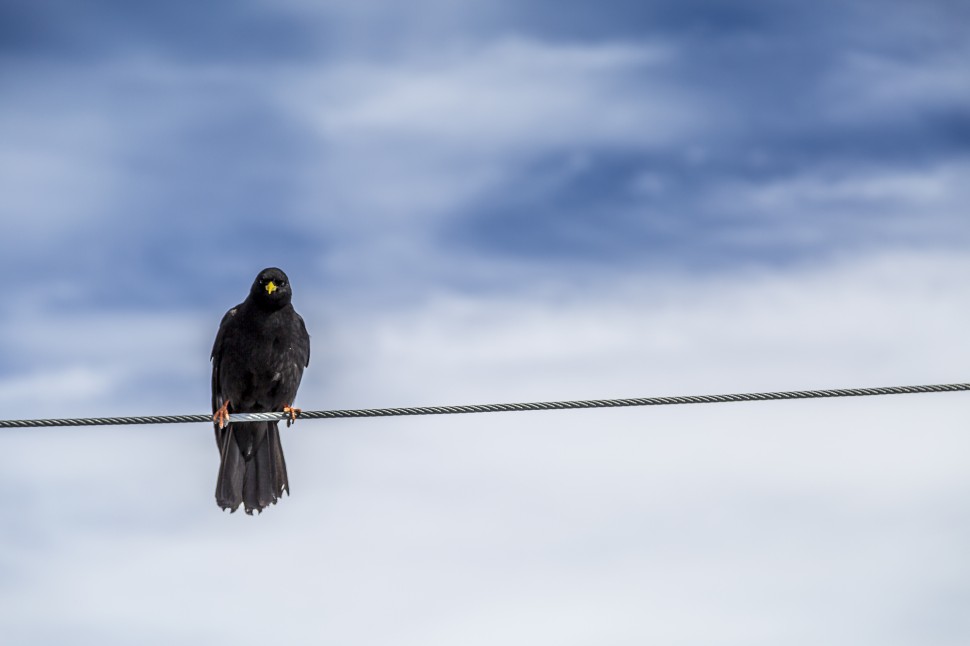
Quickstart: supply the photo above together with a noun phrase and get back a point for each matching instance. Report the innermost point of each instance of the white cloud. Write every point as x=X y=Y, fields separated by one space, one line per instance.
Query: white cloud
x=70 y=385
x=839 y=206
x=506 y=95
x=921 y=187
x=105 y=363
x=871 y=87
x=633 y=523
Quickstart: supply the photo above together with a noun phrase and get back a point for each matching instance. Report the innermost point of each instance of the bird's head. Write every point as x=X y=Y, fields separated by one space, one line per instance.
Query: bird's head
x=271 y=288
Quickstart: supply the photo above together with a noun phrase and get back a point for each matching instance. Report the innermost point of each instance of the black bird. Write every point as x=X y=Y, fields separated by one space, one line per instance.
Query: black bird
x=258 y=359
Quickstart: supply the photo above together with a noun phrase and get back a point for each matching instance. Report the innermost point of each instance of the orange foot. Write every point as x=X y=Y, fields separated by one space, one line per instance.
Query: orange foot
x=221 y=416
x=293 y=413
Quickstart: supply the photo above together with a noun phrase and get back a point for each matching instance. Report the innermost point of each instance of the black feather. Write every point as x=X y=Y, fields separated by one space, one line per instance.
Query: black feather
x=258 y=358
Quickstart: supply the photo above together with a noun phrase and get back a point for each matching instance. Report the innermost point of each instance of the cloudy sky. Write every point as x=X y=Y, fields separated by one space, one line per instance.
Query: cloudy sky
x=483 y=202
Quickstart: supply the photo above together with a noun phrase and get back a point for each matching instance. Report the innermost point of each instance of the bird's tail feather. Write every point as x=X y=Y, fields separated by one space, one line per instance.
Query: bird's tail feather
x=231 y=470
x=253 y=470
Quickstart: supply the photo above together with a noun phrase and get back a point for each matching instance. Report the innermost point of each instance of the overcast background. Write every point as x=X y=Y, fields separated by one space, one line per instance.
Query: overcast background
x=505 y=200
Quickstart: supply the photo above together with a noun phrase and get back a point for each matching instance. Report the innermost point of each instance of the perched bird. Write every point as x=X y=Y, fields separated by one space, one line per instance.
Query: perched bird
x=258 y=359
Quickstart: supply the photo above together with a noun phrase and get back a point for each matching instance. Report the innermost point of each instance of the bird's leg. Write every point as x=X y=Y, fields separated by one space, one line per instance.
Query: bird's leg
x=221 y=416
x=293 y=413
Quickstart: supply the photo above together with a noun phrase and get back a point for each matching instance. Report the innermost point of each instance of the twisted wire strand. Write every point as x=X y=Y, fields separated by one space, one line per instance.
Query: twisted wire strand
x=492 y=408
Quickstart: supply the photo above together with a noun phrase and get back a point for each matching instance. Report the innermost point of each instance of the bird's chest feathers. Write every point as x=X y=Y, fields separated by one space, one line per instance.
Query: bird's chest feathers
x=261 y=348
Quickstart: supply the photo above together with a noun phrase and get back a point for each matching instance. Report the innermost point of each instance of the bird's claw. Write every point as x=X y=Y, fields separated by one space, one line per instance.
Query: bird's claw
x=293 y=413
x=221 y=416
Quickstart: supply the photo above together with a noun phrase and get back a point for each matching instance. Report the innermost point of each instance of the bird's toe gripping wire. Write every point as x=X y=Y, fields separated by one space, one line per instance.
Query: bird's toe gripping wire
x=221 y=416
x=293 y=413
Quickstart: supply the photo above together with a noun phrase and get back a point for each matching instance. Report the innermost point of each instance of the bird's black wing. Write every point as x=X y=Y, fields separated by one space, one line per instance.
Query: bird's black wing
x=303 y=342
x=216 y=358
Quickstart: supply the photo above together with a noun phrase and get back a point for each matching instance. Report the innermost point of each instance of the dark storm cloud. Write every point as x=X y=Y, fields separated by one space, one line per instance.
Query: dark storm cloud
x=610 y=132
x=90 y=31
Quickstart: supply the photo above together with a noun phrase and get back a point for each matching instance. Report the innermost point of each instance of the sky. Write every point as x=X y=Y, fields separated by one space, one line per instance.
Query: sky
x=489 y=202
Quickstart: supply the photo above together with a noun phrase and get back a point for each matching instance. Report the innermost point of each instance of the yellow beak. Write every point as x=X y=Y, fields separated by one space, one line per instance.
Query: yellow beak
x=270 y=287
